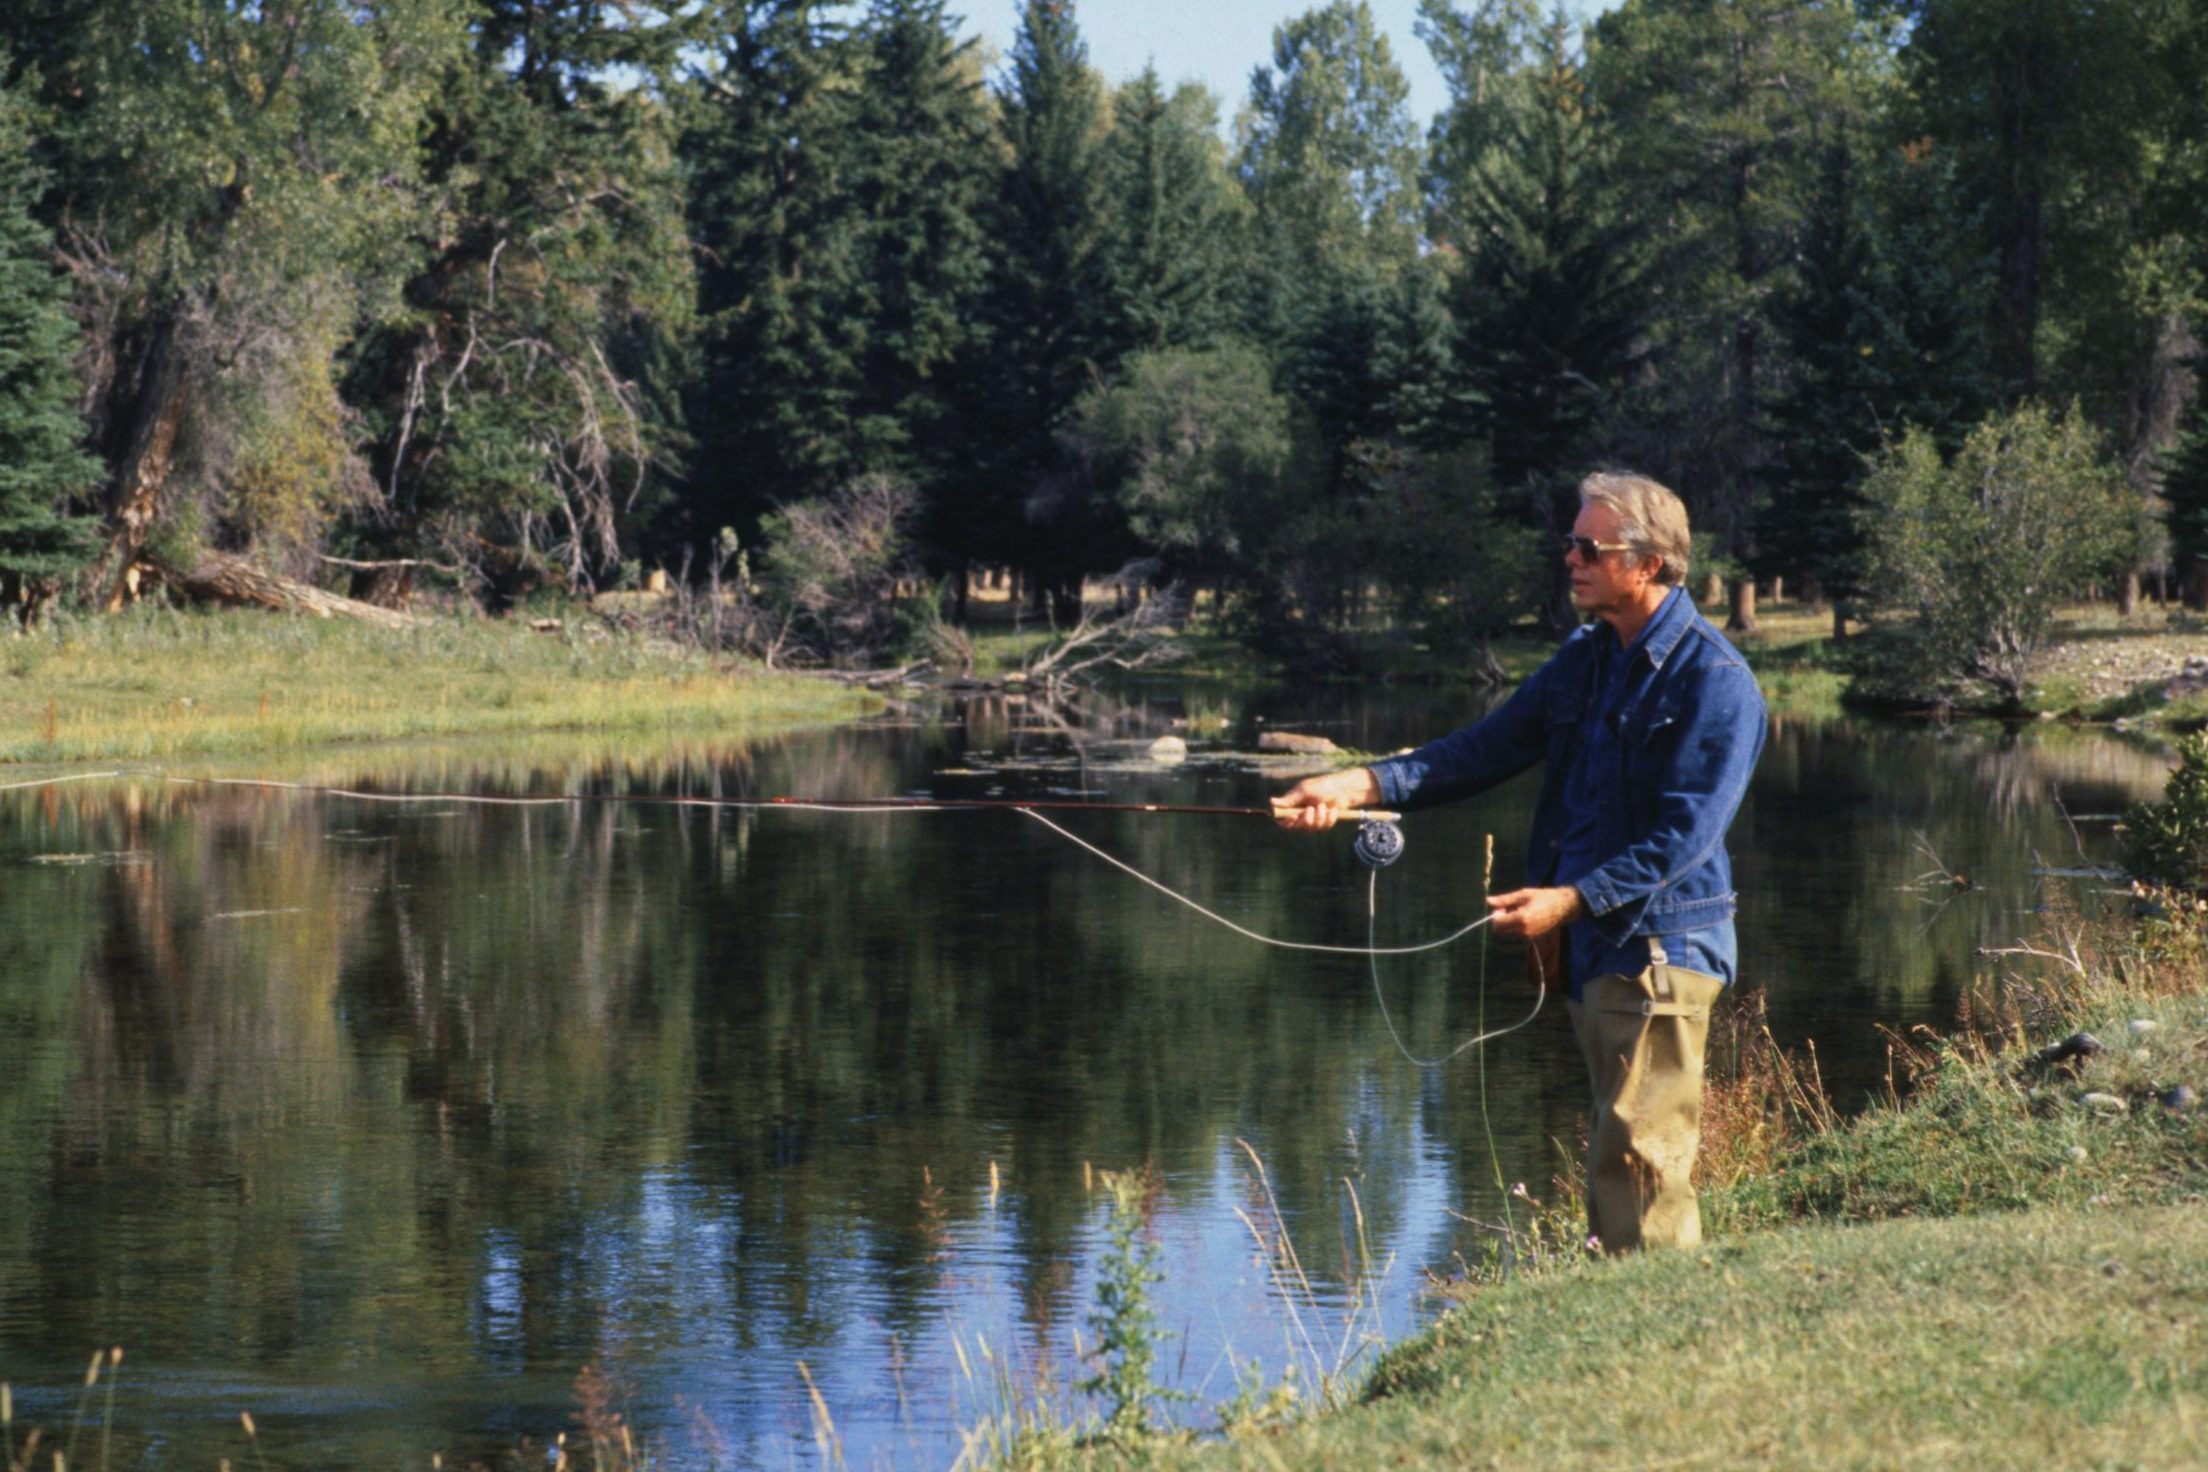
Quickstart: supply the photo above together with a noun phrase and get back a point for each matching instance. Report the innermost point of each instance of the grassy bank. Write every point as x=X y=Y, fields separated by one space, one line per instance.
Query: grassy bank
x=2004 y=1265
x=157 y=684
x=2098 y=667
x=2057 y=1338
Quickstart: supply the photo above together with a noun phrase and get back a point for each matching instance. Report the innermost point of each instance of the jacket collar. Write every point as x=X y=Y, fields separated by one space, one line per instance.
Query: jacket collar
x=1671 y=623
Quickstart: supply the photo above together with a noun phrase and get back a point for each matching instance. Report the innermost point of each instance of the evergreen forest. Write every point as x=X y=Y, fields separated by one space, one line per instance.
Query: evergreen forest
x=825 y=303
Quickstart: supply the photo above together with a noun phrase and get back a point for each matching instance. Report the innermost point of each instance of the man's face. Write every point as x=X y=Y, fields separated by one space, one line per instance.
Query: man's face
x=1615 y=581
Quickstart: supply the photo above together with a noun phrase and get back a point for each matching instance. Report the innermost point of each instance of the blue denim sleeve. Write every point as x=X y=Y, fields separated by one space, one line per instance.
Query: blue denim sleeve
x=1706 y=776
x=1472 y=759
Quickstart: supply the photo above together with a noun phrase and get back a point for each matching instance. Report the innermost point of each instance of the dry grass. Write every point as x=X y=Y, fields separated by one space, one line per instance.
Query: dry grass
x=157 y=684
x=1759 y=1099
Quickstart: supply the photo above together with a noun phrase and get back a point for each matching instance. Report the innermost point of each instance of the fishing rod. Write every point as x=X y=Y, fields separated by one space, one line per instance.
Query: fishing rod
x=1375 y=815
x=1379 y=843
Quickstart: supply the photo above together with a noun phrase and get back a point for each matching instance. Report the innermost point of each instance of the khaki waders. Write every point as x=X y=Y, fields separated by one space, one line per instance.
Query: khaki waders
x=1643 y=1038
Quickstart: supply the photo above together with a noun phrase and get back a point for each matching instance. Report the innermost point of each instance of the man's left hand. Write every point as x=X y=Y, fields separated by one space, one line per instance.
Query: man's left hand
x=1532 y=912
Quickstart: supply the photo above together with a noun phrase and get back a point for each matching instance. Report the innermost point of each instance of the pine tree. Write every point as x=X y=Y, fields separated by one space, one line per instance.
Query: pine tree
x=1830 y=415
x=1722 y=108
x=1048 y=284
x=2041 y=100
x=42 y=462
x=1174 y=221
x=921 y=173
x=1047 y=304
x=2185 y=497
x=770 y=148
x=1881 y=327
x=1552 y=284
x=1930 y=278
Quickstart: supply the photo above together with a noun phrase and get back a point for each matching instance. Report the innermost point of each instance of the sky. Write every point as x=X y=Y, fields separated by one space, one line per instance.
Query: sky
x=1216 y=42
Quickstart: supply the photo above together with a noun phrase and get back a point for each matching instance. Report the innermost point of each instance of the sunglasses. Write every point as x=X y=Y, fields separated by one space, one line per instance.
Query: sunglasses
x=1589 y=549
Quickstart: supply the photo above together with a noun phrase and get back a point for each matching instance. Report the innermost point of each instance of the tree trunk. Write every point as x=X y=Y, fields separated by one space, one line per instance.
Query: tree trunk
x=1839 y=623
x=1743 y=620
x=234 y=582
x=2021 y=228
x=142 y=469
x=2127 y=593
x=1713 y=590
x=386 y=585
x=2196 y=582
x=1487 y=671
x=1778 y=588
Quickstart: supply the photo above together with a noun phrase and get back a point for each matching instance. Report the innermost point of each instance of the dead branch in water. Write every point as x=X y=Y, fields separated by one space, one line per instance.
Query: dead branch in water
x=1140 y=633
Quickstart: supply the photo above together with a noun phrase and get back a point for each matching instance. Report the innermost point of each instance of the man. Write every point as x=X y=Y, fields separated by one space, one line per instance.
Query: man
x=1649 y=725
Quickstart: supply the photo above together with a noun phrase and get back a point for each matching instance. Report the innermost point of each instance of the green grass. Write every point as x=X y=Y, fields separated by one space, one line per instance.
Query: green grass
x=2072 y=1339
x=1987 y=1270
x=2147 y=703
x=157 y=684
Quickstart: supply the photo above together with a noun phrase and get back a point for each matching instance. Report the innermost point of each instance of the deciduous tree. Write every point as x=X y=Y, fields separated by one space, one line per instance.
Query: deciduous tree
x=1981 y=549
x=524 y=397
x=228 y=179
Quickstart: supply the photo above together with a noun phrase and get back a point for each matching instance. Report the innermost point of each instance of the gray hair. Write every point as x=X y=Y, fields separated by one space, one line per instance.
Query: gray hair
x=1649 y=516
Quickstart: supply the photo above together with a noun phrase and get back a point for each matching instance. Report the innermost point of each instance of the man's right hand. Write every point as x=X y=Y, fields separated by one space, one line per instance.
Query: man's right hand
x=1318 y=803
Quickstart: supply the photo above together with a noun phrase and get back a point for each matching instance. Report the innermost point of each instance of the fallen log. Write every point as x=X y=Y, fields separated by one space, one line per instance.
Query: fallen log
x=236 y=583
x=1292 y=741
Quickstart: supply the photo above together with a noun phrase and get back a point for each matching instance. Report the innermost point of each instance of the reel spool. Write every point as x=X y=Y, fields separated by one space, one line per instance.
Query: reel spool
x=1379 y=843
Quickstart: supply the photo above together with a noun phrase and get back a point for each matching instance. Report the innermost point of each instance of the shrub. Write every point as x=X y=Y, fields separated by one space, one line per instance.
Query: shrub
x=2166 y=842
x=832 y=572
x=1981 y=549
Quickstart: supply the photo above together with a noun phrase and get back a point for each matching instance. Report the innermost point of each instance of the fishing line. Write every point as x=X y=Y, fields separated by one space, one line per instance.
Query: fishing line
x=54 y=781
x=1372 y=950
x=1286 y=945
x=1379 y=843
x=1372 y=924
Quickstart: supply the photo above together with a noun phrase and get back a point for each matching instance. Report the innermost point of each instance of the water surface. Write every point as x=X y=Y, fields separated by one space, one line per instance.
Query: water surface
x=381 y=1121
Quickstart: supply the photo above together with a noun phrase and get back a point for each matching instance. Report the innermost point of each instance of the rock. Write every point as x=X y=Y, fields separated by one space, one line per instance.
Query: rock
x=2139 y=1027
x=2076 y=1152
x=2179 y=1097
x=1290 y=741
x=2063 y=1057
x=2101 y=1103
x=1169 y=751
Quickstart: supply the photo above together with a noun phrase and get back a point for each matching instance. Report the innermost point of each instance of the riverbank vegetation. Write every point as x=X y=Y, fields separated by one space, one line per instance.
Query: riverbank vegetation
x=158 y=684
x=161 y=683
x=2004 y=1254
x=818 y=305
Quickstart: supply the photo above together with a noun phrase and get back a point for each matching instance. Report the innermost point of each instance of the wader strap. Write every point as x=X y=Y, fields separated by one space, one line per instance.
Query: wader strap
x=1665 y=1003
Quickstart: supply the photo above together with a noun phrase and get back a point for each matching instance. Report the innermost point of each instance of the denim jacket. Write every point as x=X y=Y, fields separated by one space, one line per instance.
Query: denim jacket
x=1690 y=726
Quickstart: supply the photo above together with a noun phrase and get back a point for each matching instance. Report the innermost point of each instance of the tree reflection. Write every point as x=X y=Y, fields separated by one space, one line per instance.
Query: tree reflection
x=426 y=1094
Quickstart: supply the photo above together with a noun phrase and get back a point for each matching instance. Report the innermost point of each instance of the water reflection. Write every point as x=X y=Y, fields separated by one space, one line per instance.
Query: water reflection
x=381 y=1120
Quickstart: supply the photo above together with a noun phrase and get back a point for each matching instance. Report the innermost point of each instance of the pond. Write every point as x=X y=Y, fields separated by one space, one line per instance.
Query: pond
x=380 y=1121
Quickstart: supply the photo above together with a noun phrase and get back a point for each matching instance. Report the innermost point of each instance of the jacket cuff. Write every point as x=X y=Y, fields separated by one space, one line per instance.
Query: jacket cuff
x=1613 y=915
x=1395 y=786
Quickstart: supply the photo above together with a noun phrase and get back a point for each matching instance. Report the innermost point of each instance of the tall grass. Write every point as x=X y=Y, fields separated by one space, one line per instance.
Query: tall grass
x=157 y=683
